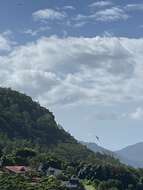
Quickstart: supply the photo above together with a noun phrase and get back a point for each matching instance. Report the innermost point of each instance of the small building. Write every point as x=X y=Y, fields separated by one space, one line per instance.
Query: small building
x=16 y=169
x=42 y=168
x=53 y=171
x=72 y=184
x=47 y=170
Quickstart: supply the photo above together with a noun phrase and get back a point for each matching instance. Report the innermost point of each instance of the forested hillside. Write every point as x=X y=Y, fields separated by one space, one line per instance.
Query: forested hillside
x=23 y=121
x=22 y=118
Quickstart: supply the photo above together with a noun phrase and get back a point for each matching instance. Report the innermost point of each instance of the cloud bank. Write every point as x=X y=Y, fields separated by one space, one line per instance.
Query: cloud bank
x=72 y=71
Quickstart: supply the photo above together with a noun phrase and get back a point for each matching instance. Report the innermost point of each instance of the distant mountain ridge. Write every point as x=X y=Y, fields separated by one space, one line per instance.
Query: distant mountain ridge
x=96 y=148
x=131 y=155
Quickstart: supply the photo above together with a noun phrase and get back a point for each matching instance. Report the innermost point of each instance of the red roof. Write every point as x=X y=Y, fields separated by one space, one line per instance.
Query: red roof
x=17 y=169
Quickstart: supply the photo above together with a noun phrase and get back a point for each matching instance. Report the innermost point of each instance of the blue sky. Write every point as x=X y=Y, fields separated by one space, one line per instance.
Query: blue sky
x=17 y=15
x=80 y=58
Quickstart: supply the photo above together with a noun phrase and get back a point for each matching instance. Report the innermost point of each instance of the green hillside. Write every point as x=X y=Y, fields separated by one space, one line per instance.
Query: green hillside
x=22 y=118
x=24 y=121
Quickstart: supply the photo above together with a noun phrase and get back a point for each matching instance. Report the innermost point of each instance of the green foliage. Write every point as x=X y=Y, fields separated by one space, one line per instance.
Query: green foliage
x=9 y=182
x=25 y=152
x=51 y=183
x=110 y=184
x=24 y=123
x=22 y=118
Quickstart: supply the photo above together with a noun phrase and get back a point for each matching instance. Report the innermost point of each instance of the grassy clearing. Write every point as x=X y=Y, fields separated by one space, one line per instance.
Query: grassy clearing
x=88 y=186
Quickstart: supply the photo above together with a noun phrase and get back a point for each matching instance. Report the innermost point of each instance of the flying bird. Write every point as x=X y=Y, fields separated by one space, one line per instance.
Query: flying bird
x=98 y=139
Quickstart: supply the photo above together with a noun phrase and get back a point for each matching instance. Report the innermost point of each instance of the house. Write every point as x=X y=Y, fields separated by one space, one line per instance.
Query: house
x=17 y=169
x=48 y=170
x=43 y=167
x=53 y=171
x=72 y=184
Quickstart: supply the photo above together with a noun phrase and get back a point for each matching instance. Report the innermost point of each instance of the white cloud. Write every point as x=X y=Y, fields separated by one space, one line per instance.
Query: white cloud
x=33 y=32
x=111 y=14
x=5 y=42
x=107 y=116
x=30 y=32
x=79 y=24
x=100 y=4
x=69 y=7
x=65 y=71
x=134 y=7
x=137 y=115
x=107 y=15
x=48 y=14
x=7 y=33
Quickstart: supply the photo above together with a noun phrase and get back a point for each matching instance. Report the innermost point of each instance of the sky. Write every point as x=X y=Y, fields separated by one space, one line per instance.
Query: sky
x=82 y=59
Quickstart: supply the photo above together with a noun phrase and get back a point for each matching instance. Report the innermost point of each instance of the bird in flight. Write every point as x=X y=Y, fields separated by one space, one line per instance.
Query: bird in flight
x=98 y=139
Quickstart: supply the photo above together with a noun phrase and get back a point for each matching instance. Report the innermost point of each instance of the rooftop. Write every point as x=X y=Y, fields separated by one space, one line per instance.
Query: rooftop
x=17 y=169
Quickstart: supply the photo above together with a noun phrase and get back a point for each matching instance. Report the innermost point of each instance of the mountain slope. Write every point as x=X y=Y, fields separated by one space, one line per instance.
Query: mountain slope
x=23 y=121
x=102 y=152
x=133 y=154
x=20 y=117
x=96 y=148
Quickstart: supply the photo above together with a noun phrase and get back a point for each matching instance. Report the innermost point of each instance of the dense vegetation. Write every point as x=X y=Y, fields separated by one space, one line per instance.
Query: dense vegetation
x=23 y=121
x=21 y=118
x=29 y=135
